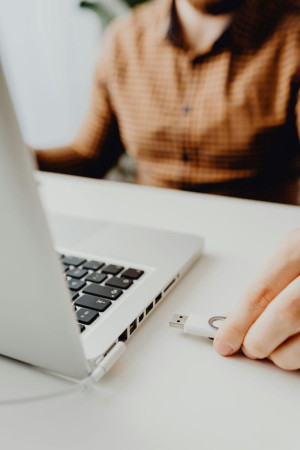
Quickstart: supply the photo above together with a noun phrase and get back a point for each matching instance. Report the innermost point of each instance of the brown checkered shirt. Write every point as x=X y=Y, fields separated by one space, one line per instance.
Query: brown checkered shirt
x=224 y=122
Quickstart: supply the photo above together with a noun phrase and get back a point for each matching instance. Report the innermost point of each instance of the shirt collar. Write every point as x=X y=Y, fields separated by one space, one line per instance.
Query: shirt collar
x=169 y=30
x=251 y=24
x=164 y=23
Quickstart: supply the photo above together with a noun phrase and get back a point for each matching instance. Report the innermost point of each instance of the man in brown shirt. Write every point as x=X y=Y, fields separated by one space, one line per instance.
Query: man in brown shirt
x=203 y=94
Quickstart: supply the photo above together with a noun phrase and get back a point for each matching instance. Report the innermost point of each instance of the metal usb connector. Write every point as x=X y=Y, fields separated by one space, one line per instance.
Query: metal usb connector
x=200 y=326
x=178 y=321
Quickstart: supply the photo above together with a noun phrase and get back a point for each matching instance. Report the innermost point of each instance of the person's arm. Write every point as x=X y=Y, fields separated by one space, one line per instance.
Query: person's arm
x=266 y=321
x=96 y=147
x=298 y=110
x=298 y=94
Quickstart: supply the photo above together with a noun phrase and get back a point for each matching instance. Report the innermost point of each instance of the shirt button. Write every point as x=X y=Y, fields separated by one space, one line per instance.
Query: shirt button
x=184 y=156
x=186 y=109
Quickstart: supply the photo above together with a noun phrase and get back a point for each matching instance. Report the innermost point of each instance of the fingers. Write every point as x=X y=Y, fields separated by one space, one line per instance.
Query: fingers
x=287 y=356
x=278 y=272
x=279 y=321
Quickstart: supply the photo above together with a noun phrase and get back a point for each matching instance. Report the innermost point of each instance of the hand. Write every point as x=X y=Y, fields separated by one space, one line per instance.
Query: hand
x=266 y=321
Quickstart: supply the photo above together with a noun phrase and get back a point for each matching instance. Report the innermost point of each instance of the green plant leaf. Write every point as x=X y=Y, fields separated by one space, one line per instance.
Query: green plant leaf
x=133 y=3
x=104 y=14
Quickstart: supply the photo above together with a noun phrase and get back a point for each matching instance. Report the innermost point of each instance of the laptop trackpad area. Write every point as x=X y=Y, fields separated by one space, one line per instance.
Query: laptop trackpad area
x=119 y=241
x=70 y=232
x=102 y=239
x=116 y=241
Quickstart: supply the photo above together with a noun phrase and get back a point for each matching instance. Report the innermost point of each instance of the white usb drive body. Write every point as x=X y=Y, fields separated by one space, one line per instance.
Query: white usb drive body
x=197 y=325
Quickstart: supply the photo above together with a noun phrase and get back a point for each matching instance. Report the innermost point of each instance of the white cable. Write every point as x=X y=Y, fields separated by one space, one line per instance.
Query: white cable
x=85 y=385
x=19 y=401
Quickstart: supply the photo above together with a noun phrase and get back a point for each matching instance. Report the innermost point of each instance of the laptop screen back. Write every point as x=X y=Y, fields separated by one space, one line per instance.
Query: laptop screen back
x=37 y=319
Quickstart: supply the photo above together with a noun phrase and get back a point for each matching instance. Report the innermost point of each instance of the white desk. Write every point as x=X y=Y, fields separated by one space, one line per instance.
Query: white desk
x=169 y=391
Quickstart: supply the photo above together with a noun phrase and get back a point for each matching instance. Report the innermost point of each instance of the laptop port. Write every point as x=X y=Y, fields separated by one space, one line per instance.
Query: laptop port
x=158 y=298
x=141 y=317
x=133 y=326
x=148 y=309
x=124 y=336
x=169 y=285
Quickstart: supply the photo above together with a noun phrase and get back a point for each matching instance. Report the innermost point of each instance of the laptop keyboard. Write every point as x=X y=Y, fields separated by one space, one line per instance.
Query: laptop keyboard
x=94 y=285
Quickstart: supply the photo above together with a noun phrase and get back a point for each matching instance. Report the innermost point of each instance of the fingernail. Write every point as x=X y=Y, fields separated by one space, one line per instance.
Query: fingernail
x=223 y=347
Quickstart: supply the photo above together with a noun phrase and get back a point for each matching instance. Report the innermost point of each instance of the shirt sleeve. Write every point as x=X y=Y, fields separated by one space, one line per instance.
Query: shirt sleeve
x=298 y=113
x=97 y=146
x=298 y=84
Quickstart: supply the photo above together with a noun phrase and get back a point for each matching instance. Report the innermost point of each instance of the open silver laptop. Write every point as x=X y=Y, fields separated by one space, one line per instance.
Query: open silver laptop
x=63 y=313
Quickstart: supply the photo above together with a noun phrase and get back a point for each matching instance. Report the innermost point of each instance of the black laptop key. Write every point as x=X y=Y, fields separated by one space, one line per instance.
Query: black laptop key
x=76 y=285
x=74 y=295
x=122 y=283
x=92 y=302
x=77 y=273
x=103 y=291
x=82 y=327
x=133 y=274
x=112 y=269
x=93 y=265
x=86 y=316
x=65 y=267
x=96 y=277
x=73 y=261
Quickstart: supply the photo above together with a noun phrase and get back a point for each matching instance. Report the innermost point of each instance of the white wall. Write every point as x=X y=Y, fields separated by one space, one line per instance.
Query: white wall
x=50 y=47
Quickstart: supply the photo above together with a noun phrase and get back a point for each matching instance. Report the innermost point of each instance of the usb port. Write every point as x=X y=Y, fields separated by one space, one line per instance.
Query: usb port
x=158 y=298
x=124 y=336
x=148 y=309
x=141 y=317
x=133 y=326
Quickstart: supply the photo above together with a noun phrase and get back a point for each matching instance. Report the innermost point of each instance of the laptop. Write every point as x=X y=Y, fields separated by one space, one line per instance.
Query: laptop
x=65 y=305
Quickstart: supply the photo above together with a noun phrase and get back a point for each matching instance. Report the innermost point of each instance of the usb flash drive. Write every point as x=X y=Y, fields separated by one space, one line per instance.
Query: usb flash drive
x=198 y=325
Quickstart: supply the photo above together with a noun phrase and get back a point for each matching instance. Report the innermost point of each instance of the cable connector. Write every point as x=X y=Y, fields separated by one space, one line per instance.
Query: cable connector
x=108 y=361
x=197 y=325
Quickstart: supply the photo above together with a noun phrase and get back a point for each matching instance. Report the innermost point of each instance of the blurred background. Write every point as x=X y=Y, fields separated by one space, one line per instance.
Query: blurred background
x=51 y=48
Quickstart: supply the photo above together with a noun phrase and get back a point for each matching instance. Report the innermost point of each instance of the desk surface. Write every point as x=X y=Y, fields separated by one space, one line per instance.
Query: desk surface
x=169 y=391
